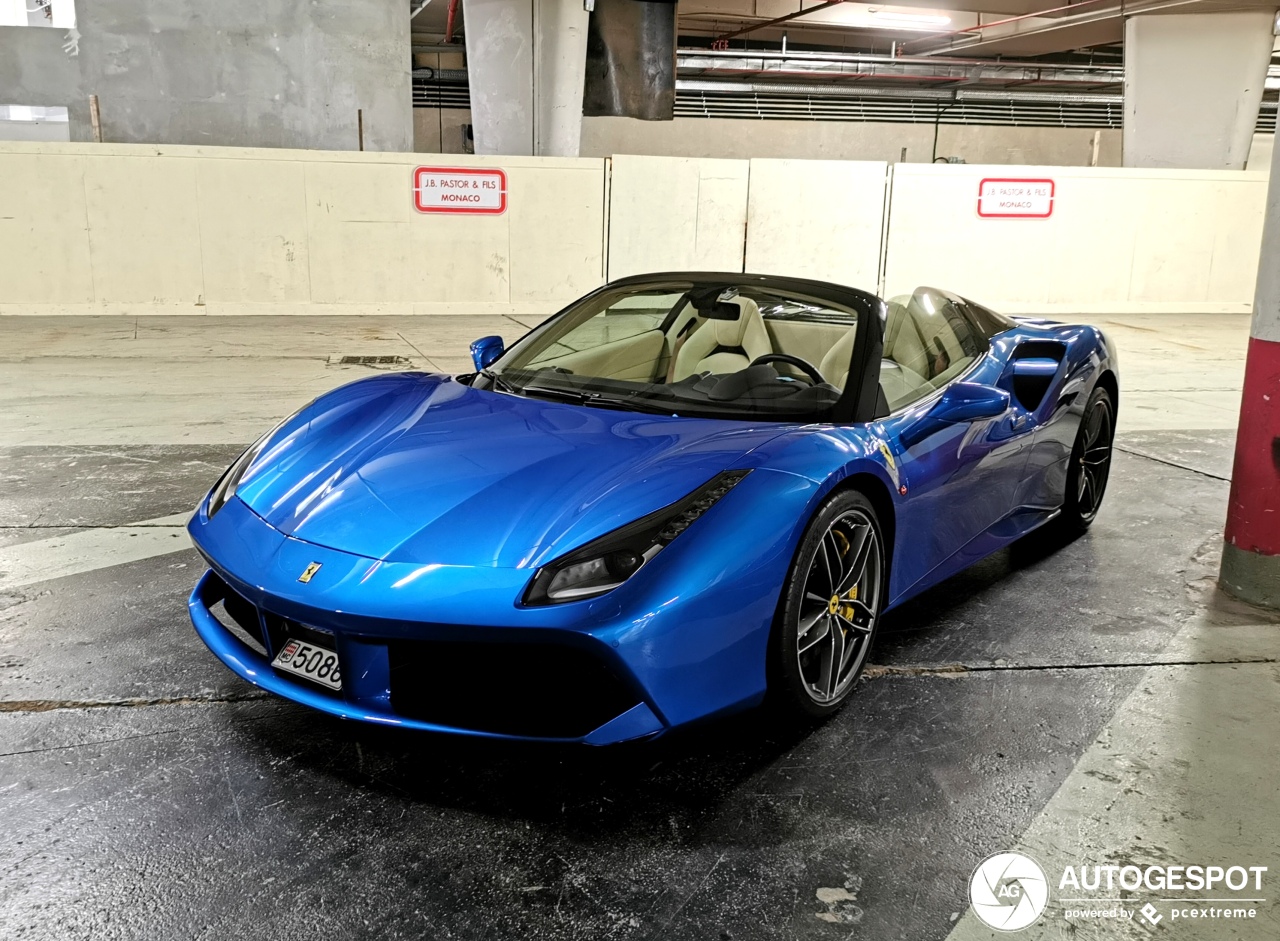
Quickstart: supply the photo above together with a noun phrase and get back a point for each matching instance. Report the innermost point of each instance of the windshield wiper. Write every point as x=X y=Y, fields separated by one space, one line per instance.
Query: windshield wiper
x=576 y=396
x=598 y=400
x=501 y=384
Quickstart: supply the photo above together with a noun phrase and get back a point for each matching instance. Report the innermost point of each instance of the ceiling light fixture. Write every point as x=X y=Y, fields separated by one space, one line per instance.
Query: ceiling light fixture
x=909 y=20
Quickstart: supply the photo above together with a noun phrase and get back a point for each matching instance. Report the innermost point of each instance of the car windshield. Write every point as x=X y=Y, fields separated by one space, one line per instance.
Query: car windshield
x=716 y=349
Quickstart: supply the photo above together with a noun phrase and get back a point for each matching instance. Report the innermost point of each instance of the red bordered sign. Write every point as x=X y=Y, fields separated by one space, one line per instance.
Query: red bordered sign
x=1000 y=198
x=460 y=189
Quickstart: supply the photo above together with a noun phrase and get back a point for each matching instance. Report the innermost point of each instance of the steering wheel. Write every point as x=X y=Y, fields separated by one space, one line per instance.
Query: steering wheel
x=803 y=365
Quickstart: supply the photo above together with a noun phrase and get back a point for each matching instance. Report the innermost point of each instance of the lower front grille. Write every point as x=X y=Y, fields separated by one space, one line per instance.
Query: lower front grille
x=539 y=690
x=239 y=616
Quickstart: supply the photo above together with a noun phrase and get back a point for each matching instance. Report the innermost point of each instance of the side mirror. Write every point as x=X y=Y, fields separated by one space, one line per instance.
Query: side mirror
x=486 y=350
x=963 y=401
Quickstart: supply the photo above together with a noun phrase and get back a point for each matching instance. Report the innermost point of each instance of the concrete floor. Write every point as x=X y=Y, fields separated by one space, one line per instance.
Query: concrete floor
x=1101 y=704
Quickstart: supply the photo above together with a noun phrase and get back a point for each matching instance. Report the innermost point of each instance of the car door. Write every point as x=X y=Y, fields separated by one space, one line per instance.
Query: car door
x=962 y=476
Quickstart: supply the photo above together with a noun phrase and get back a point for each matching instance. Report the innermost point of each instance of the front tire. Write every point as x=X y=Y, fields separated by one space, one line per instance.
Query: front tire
x=830 y=608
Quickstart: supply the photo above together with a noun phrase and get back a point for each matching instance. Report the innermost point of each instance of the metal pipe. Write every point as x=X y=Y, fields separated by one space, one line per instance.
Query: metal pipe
x=767 y=89
x=868 y=57
x=725 y=37
x=421 y=6
x=917 y=71
x=450 y=21
x=447 y=76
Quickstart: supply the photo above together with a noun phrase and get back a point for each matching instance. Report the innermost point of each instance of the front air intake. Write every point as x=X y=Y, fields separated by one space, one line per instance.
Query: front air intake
x=539 y=690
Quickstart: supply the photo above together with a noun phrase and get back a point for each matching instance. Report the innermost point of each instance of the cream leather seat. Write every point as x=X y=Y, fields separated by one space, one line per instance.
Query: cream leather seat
x=904 y=359
x=724 y=346
x=902 y=342
x=835 y=365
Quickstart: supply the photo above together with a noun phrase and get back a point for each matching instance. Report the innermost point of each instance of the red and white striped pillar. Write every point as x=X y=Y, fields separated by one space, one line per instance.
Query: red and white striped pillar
x=1251 y=554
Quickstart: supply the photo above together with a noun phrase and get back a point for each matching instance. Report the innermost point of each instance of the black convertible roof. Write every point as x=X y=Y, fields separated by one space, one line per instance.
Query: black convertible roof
x=839 y=293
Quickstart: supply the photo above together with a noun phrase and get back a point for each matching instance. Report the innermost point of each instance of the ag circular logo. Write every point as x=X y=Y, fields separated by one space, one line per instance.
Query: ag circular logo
x=1008 y=891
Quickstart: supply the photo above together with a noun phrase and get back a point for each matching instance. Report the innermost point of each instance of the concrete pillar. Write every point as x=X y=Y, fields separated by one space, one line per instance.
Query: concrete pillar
x=1251 y=553
x=1192 y=86
x=525 y=65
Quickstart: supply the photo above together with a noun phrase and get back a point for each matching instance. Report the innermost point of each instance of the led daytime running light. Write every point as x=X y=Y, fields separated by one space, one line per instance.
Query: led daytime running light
x=605 y=563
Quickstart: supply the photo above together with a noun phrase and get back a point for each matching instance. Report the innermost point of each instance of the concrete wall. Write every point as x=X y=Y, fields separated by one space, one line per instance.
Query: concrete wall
x=1192 y=86
x=1117 y=240
x=439 y=130
x=34 y=130
x=235 y=72
x=1260 y=152
x=845 y=140
x=131 y=229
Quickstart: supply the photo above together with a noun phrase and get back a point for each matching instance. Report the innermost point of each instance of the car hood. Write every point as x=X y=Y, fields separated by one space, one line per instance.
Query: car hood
x=421 y=468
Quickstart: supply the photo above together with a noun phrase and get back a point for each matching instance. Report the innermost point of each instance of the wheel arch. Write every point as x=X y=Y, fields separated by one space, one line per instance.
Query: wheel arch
x=1107 y=380
x=872 y=487
x=875 y=490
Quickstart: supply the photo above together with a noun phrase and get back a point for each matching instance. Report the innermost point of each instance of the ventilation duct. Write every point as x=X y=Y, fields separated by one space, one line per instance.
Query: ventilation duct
x=631 y=60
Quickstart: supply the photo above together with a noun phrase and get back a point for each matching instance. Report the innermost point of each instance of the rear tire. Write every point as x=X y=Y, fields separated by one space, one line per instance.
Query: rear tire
x=830 y=608
x=1090 y=465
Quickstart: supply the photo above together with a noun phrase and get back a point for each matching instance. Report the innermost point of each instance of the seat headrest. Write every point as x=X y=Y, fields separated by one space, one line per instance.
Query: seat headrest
x=730 y=333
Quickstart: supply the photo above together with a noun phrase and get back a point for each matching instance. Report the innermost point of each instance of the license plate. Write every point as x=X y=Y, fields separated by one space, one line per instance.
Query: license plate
x=317 y=664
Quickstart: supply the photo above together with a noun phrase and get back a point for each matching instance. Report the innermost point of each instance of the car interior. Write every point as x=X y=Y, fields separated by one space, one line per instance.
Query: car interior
x=685 y=340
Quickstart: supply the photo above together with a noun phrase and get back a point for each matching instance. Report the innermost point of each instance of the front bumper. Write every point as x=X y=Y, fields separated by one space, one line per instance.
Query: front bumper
x=368 y=693
x=450 y=649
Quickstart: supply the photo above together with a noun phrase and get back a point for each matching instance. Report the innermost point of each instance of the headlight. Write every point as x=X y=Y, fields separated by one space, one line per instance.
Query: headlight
x=225 y=488
x=605 y=563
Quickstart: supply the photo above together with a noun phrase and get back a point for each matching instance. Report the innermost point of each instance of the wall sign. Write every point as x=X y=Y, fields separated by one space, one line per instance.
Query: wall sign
x=455 y=189
x=1015 y=199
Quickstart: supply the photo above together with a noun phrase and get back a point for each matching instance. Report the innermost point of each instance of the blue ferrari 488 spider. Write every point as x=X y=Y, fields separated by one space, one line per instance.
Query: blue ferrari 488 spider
x=682 y=495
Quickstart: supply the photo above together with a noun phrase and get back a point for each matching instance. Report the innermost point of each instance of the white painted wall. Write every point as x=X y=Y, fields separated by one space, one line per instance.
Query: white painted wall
x=1118 y=240
x=676 y=214
x=817 y=219
x=134 y=229
x=142 y=229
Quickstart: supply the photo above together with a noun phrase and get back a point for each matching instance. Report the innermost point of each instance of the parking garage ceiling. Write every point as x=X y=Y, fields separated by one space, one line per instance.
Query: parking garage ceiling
x=1028 y=62
x=1085 y=30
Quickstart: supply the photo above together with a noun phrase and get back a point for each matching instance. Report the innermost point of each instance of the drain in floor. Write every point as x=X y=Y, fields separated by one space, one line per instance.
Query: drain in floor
x=378 y=362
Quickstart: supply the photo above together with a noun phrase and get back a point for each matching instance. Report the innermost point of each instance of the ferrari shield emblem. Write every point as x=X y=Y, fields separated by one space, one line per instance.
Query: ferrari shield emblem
x=309 y=572
x=890 y=464
x=888 y=456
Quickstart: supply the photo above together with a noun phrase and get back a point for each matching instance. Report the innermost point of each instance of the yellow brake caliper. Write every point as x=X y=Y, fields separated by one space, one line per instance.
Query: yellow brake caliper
x=834 y=606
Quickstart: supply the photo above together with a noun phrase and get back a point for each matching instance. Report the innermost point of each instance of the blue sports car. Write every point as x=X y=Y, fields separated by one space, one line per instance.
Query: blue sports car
x=682 y=495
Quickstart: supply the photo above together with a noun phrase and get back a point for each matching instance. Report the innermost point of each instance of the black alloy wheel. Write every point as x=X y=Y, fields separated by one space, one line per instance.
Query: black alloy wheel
x=1090 y=462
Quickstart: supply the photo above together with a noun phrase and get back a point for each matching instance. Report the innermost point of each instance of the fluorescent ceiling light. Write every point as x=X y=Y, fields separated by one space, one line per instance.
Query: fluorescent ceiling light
x=909 y=20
